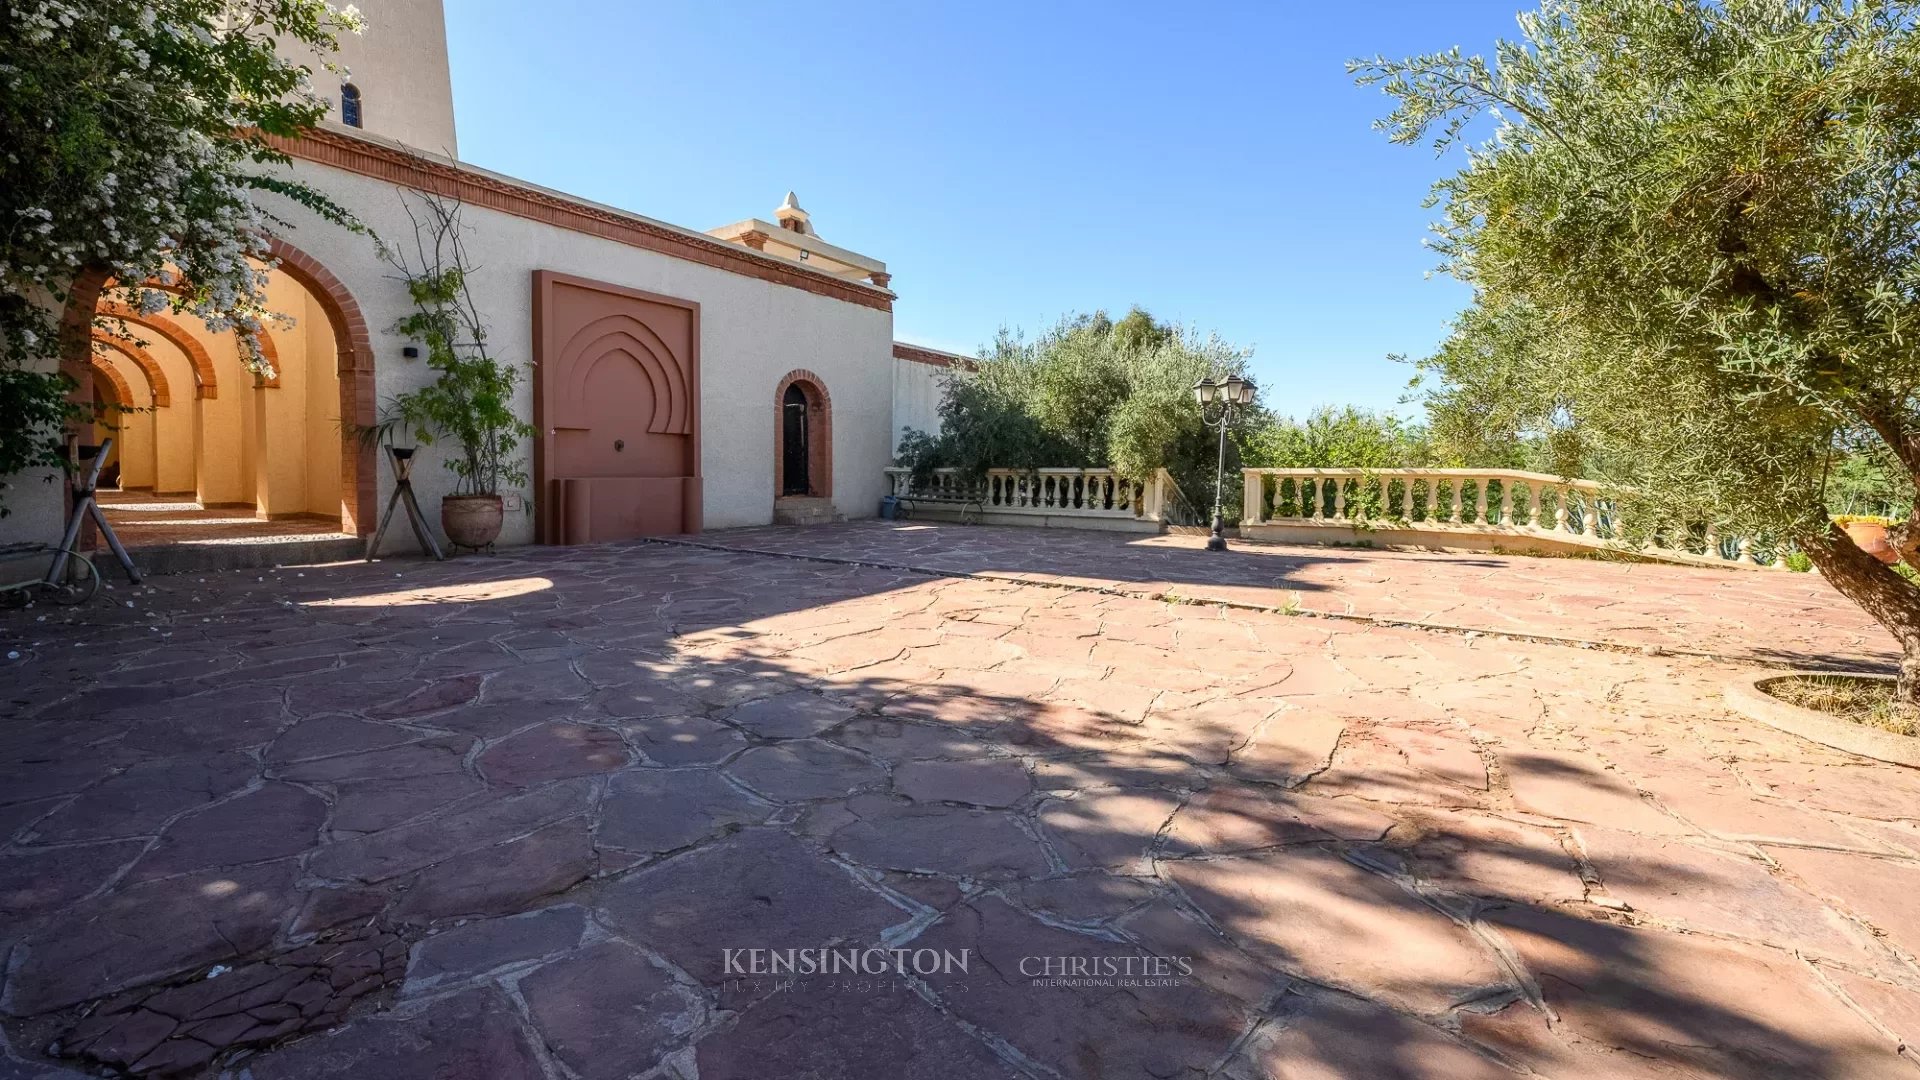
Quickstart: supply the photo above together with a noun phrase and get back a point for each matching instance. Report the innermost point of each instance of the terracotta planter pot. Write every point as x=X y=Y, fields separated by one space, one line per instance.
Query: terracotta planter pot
x=472 y=521
x=1871 y=537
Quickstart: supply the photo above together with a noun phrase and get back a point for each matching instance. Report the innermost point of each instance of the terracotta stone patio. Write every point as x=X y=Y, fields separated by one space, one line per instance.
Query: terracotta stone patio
x=505 y=817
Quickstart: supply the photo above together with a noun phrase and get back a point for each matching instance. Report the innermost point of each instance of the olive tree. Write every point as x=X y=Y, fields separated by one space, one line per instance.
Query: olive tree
x=1090 y=391
x=1693 y=231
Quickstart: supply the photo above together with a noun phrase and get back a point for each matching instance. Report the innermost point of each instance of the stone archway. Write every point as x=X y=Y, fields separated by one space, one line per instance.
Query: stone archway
x=802 y=438
x=90 y=295
x=359 y=479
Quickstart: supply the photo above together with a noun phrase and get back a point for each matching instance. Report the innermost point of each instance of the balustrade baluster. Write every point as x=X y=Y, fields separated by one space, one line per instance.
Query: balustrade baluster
x=1480 y=500
x=1339 y=499
x=1560 y=509
x=1459 y=491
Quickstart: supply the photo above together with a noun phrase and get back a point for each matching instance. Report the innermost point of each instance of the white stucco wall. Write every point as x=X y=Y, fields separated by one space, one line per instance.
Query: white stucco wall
x=917 y=389
x=753 y=332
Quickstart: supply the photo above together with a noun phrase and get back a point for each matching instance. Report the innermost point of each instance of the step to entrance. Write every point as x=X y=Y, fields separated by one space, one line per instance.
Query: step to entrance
x=239 y=553
x=801 y=510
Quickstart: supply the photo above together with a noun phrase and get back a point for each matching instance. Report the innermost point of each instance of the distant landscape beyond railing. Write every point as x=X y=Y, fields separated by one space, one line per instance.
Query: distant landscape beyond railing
x=1496 y=508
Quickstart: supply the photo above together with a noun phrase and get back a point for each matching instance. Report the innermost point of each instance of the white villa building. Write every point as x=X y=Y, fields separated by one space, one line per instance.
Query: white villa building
x=681 y=380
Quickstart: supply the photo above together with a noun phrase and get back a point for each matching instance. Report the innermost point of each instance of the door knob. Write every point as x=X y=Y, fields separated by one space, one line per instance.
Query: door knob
x=619 y=445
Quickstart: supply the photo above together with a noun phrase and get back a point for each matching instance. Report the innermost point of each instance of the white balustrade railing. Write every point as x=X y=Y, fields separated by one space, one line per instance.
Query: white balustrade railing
x=1494 y=504
x=1100 y=493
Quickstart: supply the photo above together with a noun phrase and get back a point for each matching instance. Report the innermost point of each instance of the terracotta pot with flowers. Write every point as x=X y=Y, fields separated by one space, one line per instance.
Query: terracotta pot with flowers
x=1869 y=534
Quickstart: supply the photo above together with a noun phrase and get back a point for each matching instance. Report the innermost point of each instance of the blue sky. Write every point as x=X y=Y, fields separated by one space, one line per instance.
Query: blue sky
x=1211 y=162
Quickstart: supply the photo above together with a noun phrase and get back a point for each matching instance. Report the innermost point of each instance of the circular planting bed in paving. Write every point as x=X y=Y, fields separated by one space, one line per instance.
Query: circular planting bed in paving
x=1851 y=712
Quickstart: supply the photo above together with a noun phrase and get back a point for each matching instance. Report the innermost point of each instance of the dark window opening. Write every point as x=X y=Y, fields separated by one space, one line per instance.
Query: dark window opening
x=794 y=442
x=349 y=104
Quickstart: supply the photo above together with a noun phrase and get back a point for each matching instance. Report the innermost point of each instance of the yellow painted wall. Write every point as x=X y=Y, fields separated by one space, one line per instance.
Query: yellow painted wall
x=225 y=472
x=324 y=436
x=134 y=440
x=174 y=426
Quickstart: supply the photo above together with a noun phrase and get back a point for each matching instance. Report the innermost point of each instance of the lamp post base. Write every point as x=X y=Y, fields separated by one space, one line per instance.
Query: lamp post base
x=1218 y=540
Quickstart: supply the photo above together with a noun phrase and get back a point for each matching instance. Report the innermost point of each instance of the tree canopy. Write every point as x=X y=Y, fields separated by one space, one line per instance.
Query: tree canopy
x=1090 y=392
x=134 y=136
x=1693 y=232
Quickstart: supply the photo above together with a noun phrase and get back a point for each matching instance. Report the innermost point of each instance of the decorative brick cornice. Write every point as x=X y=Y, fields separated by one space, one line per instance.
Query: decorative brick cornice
x=920 y=354
x=335 y=149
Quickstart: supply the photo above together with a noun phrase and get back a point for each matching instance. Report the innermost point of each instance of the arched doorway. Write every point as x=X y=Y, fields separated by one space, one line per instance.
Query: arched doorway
x=793 y=443
x=803 y=438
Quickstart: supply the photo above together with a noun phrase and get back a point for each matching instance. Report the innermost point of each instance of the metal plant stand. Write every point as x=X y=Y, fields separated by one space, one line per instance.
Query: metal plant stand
x=402 y=459
x=86 y=505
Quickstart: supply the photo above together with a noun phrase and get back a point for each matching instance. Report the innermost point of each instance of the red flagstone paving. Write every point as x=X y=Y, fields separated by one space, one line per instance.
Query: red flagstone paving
x=504 y=817
x=1770 y=616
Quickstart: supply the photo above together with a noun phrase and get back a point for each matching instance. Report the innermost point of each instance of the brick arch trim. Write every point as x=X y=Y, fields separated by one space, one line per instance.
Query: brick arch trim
x=268 y=352
x=819 y=433
x=205 y=383
x=119 y=381
x=359 y=484
x=142 y=359
x=264 y=337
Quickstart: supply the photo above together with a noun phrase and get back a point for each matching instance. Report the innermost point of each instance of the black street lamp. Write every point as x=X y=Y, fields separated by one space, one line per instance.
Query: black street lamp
x=1230 y=394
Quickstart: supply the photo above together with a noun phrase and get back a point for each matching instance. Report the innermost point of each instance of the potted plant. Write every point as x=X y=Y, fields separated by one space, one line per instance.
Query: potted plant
x=1869 y=533
x=470 y=401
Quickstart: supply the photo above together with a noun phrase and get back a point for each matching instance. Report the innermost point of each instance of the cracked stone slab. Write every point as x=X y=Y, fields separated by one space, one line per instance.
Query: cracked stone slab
x=805 y=769
x=683 y=740
x=1326 y=1036
x=553 y=752
x=485 y=945
x=1576 y=787
x=889 y=1033
x=756 y=889
x=894 y=835
x=1291 y=746
x=994 y=783
x=185 y=1027
x=1475 y=854
x=1722 y=892
x=1303 y=909
x=271 y=822
x=139 y=801
x=108 y=944
x=793 y=715
x=503 y=878
x=654 y=811
x=1107 y=829
x=1247 y=817
x=1713 y=1006
x=379 y=856
x=473 y=1034
x=607 y=1012
x=1090 y=1030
